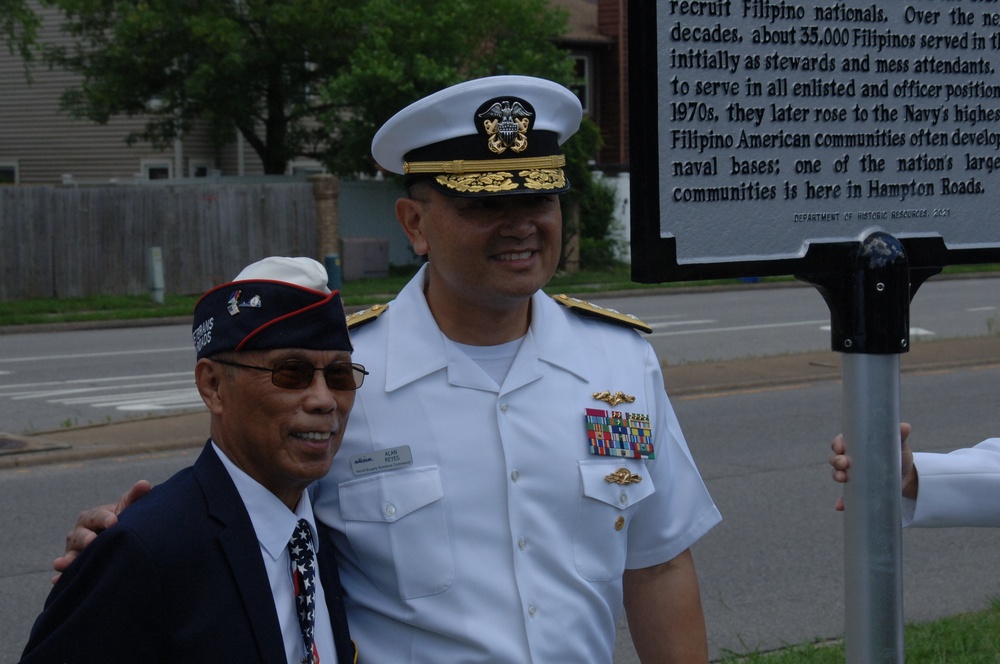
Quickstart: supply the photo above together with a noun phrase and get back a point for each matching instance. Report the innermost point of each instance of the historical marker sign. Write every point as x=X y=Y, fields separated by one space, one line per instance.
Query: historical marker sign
x=762 y=127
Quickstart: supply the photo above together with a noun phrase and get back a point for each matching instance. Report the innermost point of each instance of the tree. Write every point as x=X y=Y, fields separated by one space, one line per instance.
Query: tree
x=19 y=27
x=297 y=77
x=251 y=66
x=410 y=49
x=312 y=78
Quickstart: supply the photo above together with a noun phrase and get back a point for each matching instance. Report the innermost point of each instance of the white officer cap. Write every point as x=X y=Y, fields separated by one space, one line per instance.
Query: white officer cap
x=490 y=136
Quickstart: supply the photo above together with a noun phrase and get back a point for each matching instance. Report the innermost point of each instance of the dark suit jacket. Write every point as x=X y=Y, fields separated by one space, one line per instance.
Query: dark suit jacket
x=179 y=579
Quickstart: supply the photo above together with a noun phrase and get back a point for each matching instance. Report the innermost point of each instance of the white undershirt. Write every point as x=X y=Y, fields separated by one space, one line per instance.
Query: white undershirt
x=274 y=523
x=494 y=360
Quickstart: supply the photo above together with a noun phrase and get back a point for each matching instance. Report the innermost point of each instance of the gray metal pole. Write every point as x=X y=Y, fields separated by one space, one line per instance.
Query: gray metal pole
x=869 y=297
x=873 y=549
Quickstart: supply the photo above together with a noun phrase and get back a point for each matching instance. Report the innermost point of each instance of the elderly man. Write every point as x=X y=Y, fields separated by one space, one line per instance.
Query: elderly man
x=217 y=563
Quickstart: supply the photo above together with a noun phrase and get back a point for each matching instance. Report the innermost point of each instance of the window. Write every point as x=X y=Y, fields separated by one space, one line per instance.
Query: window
x=199 y=168
x=309 y=83
x=581 y=67
x=304 y=167
x=9 y=173
x=155 y=169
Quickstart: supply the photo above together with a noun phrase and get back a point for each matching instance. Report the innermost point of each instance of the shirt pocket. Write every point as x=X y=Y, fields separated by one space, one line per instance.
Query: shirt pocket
x=600 y=540
x=390 y=515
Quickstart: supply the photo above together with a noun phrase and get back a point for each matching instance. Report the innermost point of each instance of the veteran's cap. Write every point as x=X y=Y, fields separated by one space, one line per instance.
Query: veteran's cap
x=277 y=302
x=490 y=136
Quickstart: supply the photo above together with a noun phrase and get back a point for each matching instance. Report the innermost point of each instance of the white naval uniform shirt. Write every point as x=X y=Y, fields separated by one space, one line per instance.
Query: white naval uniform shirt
x=501 y=541
x=961 y=488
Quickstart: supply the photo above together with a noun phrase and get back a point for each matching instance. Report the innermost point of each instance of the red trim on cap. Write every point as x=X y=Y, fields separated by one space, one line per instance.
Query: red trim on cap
x=292 y=314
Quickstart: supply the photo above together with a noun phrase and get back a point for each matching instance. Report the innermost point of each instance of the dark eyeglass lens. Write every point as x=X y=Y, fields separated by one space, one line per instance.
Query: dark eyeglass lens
x=340 y=377
x=292 y=375
x=296 y=375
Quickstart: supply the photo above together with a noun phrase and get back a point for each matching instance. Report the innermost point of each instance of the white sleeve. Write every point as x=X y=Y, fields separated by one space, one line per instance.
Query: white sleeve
x=961 y=488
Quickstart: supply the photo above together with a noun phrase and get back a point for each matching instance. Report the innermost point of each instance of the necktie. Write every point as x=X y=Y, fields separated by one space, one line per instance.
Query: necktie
x=300 y=549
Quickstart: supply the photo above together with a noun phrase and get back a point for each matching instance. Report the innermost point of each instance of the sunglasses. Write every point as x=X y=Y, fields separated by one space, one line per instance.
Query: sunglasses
x=298 y=374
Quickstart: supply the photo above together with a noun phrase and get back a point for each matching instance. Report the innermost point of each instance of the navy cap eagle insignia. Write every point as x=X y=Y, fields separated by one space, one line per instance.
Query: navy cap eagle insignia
x=506 y=124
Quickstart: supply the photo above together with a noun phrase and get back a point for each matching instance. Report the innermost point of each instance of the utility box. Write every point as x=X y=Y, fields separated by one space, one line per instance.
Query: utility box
x=365 y=258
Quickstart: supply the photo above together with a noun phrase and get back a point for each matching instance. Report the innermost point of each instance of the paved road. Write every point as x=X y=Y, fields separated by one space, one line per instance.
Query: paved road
x=698 y=326
x=772 y=572
x=74 y=378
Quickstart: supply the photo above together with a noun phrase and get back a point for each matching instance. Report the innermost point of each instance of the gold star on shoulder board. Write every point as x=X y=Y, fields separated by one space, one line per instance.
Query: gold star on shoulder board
x=592 y=310
x=359 y=318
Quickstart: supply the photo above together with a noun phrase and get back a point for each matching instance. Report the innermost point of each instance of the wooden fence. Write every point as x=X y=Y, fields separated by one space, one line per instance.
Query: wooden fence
x=72 y=242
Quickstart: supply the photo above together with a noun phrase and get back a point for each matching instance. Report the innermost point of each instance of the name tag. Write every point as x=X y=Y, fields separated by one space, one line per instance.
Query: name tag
x=379 y=460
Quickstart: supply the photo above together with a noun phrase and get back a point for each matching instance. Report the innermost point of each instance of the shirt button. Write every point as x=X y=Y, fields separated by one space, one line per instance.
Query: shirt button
x=504 y=407
x=515 y=476
x=623 y=499
x=521 y=543
x=390 y=509
x=532 y=610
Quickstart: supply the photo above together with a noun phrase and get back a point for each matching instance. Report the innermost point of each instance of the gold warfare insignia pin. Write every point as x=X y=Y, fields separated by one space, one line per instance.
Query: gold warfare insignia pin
x=623 y=476
x=614 y=399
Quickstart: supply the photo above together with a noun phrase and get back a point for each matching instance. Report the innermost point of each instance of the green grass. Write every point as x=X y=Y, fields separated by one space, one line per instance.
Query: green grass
x=356 y=293
x=970 y=638
x=102 y=307
x=362 y=292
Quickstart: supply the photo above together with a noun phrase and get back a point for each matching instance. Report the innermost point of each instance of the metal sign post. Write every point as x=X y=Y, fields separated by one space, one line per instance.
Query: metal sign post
x=873 y=547
x=869 y=306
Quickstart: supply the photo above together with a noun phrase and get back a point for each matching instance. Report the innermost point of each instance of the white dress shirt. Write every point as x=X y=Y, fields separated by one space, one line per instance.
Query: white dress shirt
x=274 y=524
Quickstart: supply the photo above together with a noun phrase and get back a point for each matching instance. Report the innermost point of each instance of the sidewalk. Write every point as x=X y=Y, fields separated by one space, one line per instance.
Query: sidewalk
x=190 y=430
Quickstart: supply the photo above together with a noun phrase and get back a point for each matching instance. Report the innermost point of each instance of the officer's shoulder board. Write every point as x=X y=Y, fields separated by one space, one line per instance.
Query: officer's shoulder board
x=359 y=318
x=610 y=315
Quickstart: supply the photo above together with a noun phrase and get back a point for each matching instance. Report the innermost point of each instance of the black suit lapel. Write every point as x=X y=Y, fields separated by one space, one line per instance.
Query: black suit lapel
x=330 y=578
x=242 y=550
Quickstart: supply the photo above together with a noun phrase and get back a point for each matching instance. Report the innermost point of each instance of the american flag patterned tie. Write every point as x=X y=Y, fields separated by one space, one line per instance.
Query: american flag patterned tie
x=300 y=549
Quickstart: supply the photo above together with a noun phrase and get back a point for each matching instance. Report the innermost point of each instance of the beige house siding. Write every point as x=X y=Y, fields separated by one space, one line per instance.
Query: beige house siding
x=46 y=144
